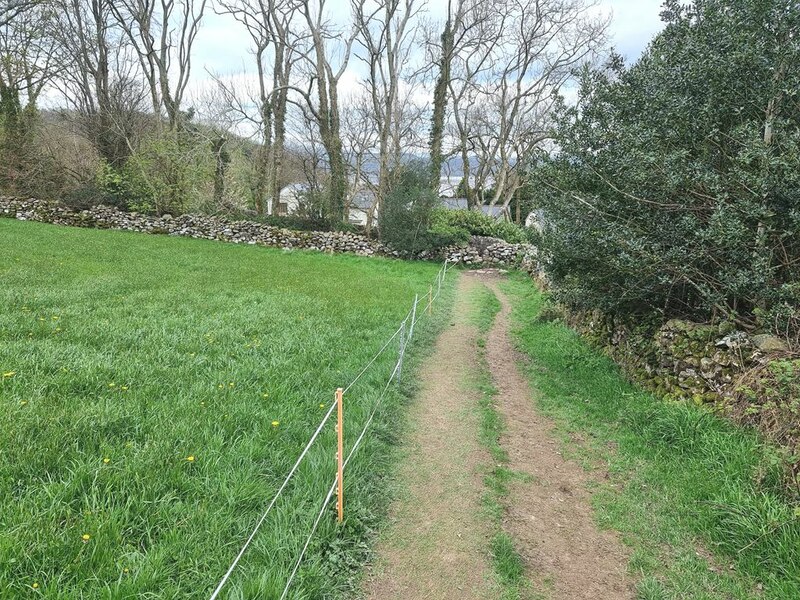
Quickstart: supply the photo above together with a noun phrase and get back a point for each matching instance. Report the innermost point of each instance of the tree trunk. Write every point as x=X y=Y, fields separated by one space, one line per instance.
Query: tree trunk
x=440 y=105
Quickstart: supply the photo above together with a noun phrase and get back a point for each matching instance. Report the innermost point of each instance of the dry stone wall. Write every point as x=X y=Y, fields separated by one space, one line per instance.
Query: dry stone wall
x=682 y=359
x=480 y=252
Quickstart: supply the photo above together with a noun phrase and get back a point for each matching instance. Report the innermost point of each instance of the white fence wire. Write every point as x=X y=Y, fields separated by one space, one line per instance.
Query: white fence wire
x=406 y=333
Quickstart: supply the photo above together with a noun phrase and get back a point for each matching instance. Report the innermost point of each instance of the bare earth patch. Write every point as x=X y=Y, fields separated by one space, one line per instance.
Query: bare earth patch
x=549 y=516
x=437 y=542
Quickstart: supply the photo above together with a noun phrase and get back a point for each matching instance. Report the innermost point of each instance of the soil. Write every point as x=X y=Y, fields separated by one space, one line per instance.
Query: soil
x=437 y=543
x=549 y=515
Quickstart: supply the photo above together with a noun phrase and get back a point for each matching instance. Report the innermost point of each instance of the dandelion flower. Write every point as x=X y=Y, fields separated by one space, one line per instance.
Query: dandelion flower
x=202 y=404
x=23 y=402
x=35 y=585
x=266 y=395
x=55 y=318
x=220 y=386
x=276 y=423
x=112 y=384
x=86 y=537
x=106 y=460
x=124 y=388
x=9 y=374
x=126 y=570
x=190 y=458
x=231 y=384
x=322 y=405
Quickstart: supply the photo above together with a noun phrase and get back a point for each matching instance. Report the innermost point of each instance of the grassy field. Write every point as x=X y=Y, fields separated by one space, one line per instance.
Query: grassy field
x=155 y=391
x=697 y=499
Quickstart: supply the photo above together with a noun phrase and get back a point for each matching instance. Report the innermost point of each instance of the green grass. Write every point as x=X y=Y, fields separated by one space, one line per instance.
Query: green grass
x=683 y=483
x=508 y=565
x=131 y=353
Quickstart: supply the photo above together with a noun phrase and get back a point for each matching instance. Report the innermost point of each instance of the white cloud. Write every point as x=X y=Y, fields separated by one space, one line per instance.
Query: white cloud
x=633 y=25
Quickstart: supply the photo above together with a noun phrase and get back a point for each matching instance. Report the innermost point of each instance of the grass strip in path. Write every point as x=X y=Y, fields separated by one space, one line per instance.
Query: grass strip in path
x=694 y=497
x=508 y=565
x=548 y=514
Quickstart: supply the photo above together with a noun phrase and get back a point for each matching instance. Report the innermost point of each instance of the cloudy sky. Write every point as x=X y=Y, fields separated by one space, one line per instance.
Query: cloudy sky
x=222 y=45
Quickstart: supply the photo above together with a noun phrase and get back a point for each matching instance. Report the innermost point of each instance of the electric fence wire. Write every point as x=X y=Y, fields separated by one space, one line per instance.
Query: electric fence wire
x=415 y=316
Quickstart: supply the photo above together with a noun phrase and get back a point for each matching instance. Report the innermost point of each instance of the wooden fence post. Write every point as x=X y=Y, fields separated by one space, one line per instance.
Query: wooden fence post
x=413 y=317
x=340 y=456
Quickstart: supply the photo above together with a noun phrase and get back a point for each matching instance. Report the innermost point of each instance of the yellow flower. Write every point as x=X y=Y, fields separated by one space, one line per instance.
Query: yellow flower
x=322 y=405
x=202 y=404
x=220 y=386
x=55 y=318
x=266 y=395
x=106 y=460
x=231 y=384
x=124 y=388
x=86 y=537
x=23 y=403
x=112 y=385
x=35 y=585
x=190 y=458
x=126 y=570
x=276 y=423
x=9 y=374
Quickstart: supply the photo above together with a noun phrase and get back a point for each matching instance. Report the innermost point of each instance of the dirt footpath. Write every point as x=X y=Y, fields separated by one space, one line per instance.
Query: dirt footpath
x=436 y=546
x=438 y=542
x=550 y=518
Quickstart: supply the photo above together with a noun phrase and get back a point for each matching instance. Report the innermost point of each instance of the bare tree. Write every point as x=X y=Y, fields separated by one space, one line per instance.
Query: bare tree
x=328 y=59
x=99 y=78
x=360 y=140
x=471 y=61
x=27 y=54
x=464 y=19
x=11 y=9
x=162 y=32
x=386 y=34
x=275 y=40
x=543 y=42
x=27 y=65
